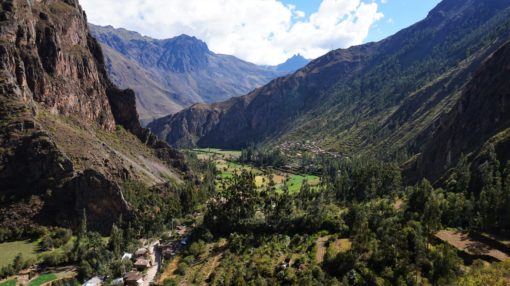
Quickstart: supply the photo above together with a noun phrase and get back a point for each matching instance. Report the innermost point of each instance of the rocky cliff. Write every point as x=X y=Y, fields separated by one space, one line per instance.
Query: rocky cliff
x=68 y=136
x=171 y=74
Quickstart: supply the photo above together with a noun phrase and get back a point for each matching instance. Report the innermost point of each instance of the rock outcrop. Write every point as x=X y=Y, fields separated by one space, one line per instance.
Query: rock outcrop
x=62 y=142
x=47 y=53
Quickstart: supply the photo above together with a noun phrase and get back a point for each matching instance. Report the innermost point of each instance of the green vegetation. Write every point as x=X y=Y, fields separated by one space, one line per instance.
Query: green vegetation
x=262 y=157
x=295 y=182
x=220 y=152
x=349 y=230
x=18 y=263
x=11 y=282
x=42 y=279
x=10 y=250
x=230 y=163
x=359 y=224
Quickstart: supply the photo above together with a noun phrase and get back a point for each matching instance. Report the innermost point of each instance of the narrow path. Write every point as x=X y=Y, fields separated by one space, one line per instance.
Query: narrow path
x=151 y=273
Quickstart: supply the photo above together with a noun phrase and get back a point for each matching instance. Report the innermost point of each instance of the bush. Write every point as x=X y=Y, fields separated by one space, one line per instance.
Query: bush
x=54 y=258
x=55 y=238
x=170 y=282
x=198 y=248
x=65 y=282
x=182 y=268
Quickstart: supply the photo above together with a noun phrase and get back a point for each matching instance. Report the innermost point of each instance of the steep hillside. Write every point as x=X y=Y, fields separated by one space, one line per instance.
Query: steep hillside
x=169 y=75
x=379 y=98
x=68 y=137
x=480 y=117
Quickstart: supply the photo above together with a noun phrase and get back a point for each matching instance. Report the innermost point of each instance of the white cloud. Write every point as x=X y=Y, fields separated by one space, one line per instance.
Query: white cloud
x=260 y=31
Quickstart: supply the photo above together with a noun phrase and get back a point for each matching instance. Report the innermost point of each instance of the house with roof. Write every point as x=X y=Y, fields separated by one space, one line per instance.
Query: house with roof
x=142 y=264
x=142 y=252
x=133 y=278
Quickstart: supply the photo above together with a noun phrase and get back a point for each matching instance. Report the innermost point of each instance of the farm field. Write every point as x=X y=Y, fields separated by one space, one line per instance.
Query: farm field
x=42 y=279
x=9 y=251
x=225 y=161
x=470 y=245
x=29 y=249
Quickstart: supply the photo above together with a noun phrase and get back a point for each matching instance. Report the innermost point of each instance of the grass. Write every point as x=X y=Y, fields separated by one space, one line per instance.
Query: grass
x=42 y=279
x=296 y=181
x=9 y=250
x=11 y=282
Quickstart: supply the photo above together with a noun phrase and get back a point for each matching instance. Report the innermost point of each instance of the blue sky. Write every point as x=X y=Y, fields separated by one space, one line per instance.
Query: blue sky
x=264 y=32
x=398 y=14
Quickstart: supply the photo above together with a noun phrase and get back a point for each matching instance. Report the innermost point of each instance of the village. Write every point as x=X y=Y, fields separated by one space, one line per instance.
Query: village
x=147 y=261
x=299 y=148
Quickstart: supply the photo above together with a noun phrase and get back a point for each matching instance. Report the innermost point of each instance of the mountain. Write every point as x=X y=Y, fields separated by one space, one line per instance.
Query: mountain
x=479 y=120
x=293 y=64
x=168 y=75
x=381 y=98
x=69 y=138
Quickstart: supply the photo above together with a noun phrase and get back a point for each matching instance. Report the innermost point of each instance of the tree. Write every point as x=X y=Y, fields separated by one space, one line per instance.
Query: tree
x=460 y=179
x=116 y=241
x=283 y=210
x=82 y=233
x=490 y=201
x=445 y=265
x=18 y=263
x=235 y=206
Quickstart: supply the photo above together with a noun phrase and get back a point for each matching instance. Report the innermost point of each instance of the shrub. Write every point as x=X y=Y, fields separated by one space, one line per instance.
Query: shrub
x=182 y=268
x=198 y=248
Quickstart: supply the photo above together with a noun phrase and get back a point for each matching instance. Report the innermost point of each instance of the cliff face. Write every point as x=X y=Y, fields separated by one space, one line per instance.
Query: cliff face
x=171 y=74
x=61 y=121
x=50 y=59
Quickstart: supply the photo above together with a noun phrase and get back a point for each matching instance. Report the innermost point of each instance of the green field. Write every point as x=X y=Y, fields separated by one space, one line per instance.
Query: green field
x=9 y=250
x=45 y=278
x=296 y=181
x=226 y=164
x=11 y=282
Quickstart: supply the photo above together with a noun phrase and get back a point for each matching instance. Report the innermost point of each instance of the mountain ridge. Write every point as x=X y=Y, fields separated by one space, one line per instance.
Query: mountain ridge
x=171 y=74
x=378 y=98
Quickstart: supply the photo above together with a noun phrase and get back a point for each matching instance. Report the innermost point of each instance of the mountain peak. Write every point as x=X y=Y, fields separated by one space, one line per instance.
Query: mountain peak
x=184 y=53
x=294 y=63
